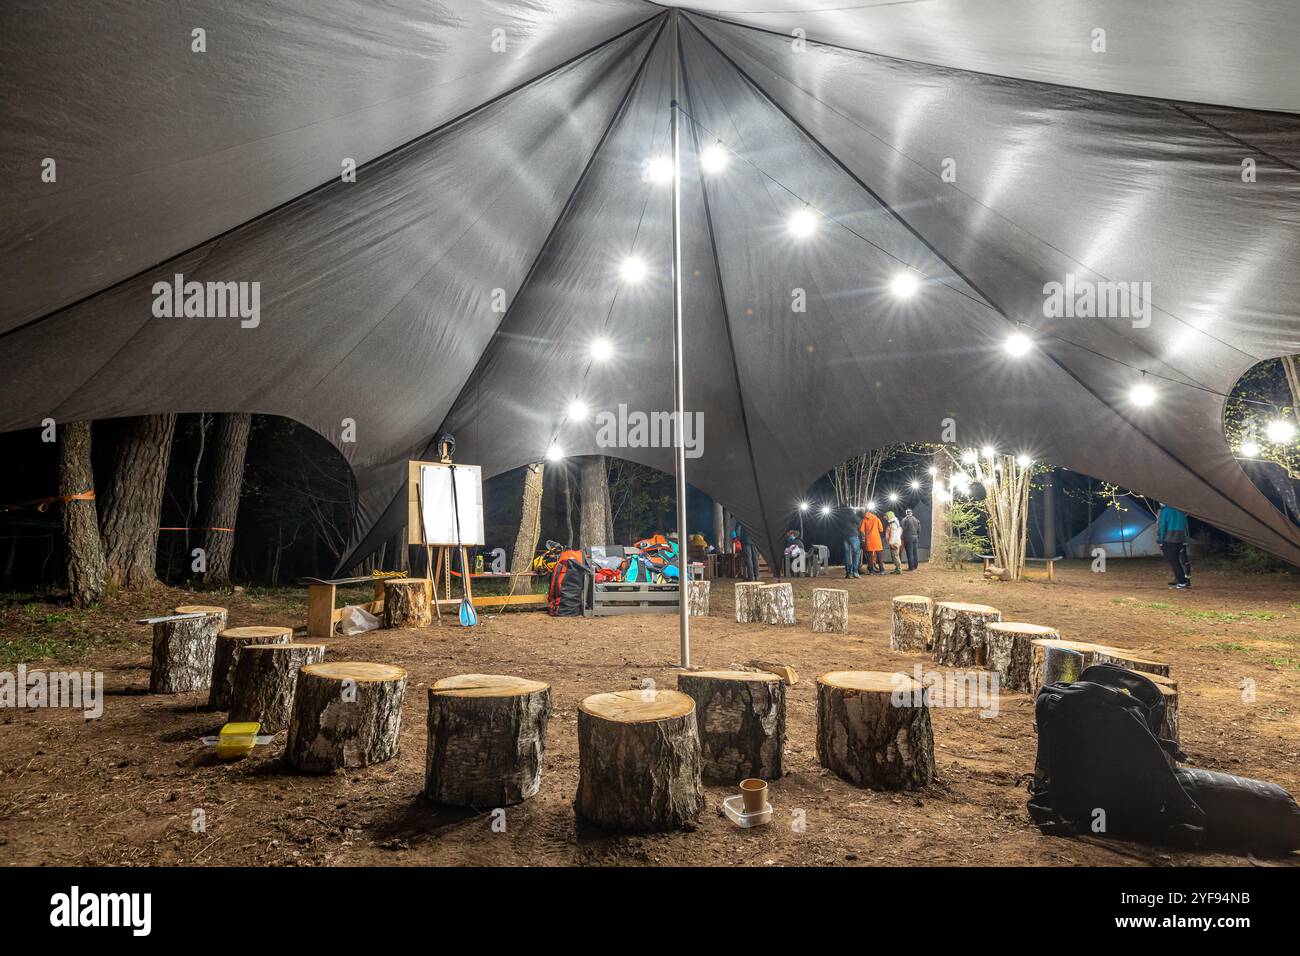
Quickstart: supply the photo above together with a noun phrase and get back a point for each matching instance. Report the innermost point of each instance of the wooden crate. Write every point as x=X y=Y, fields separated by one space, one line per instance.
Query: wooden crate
x=624 y=597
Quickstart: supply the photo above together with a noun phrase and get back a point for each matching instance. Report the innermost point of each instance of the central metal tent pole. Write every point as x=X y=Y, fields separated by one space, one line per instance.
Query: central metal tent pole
x=679 y=387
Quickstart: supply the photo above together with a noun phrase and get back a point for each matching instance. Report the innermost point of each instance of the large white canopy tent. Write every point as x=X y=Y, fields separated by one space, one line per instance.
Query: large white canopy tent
x=516 y=175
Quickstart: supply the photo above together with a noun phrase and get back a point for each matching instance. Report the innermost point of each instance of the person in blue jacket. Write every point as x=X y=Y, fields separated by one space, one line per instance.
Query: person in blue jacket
x=1171 y=535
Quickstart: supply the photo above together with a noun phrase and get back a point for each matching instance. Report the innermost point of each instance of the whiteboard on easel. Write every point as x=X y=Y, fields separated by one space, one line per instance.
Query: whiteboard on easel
x=438 y=515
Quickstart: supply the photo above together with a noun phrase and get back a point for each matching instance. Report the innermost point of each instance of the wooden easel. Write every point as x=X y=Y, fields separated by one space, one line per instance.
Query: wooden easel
x=442 y=567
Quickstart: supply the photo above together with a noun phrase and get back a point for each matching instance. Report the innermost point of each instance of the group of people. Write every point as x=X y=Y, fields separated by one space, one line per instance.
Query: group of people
x=867 y=537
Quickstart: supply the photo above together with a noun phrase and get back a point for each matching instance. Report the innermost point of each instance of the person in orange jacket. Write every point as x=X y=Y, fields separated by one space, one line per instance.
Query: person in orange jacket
x=871 y=529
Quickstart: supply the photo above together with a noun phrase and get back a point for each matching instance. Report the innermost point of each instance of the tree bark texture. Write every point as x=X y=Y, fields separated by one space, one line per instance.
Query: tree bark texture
x=830 y=610
x=740 y=716
x=530 y=519
x=83 y=550
x=961 y=631
x=1010 y=652
x=593 y=519
x=486 y=740
x=133 y=505
x=407 y=602
x=912 y=627
x=265 y=680
x=776 y=601
x=346 y=714
x=697 y=598
x=639 y=761
x=867 y=737
x=226 y=657
x=748 y=610
x=182 y=656
x=229 y=445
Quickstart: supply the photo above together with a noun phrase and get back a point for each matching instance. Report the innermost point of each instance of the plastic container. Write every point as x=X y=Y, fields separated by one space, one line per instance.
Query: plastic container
x=237 y=740
x=734 y=808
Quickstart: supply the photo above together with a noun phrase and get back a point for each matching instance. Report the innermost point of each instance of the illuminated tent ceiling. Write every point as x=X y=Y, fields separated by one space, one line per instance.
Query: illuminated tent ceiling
x=517 y=177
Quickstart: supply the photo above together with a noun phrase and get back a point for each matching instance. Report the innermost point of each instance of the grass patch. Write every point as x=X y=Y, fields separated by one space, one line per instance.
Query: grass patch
x=1198 y=614
x=1226 y=647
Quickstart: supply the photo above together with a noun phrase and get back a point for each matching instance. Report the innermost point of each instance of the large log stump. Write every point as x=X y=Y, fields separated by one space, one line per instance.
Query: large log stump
x=486 y=740
x=639 y=761
x=873 y=729
x=1053 y=664
x=266 y=677
x=741 y=720
x=1169 y=727
x=830 y=610
x=407 y=602
x=913 y=623
x=226 y=657
x=961 y=632
x=748 y=610
x=697 y=598
x=182 y=655
x=216 y=616
x=345 y=714
x=1011 y=652
x=1095 y=654
x=776 y=604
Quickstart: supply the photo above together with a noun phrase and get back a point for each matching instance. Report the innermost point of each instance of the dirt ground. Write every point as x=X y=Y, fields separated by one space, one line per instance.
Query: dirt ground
x=123 y=789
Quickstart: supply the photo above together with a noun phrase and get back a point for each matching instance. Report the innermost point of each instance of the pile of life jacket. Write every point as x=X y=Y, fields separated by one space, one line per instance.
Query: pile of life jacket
x=655 y=561
x=567 y=594
x=545 y=562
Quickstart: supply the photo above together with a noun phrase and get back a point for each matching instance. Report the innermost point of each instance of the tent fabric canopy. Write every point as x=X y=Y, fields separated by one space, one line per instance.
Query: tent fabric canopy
x=459 y=281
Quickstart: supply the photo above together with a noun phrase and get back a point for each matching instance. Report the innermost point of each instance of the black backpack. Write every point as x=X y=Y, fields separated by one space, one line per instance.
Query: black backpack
x=1101 y=766
x=566 y=596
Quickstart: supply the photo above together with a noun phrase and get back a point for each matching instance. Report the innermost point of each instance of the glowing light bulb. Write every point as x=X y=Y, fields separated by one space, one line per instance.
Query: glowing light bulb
x=714 y=159
x=1017 y=344
x=554 y=453
x=802 y=223
x=988 y=451
x=1250 y=449
x=803 y=506
x=826 y=509
x=578 y=410
x=633 y=269
x=1024 y=461
x=1142 y=395
x=658 y=169
x=916 y=485
x=969 y=457
x=1280 y=431
x=602 y=349
x=904 y=285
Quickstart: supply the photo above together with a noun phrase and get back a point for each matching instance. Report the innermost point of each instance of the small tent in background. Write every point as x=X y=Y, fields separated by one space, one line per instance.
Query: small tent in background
x=1130 y=533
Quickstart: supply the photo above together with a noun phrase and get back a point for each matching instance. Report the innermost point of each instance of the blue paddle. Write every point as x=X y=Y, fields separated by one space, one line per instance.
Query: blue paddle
x=468 y=616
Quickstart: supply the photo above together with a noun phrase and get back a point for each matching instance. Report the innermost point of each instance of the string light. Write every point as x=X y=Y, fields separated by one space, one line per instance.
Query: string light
x=1017 y=344
x=1024 y=461
x=871 y=506
x=658 y=169
x=802 y=223
x=714 y=159
x=969 y=457
x=554 y=453
x=1143 y=395
x=602 y=349
x=1250 y=449
x=633 y=269
x=904 y=285
x=1280 y=431
x=826 y=509
x=916 y=486
x=893 y=496
x=988 y=451
x=803 y=506
x=578 y=410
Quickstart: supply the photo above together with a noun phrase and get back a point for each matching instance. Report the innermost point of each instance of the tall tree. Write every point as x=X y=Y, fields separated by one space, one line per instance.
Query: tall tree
x=594 y=519
x=83 y=550
x=530 y=519
x=229 y=446
x=133 y=505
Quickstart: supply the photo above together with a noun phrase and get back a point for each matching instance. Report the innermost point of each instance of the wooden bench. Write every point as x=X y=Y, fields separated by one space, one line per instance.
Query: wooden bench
x=988 y=560
x=322 y=615
x=630 y=597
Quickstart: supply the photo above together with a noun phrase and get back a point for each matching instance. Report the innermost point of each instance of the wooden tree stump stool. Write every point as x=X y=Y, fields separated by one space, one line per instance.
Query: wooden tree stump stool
x=697 y=598
x=407 y=602
x=226 y=657
x=182 y=654
x=748 y=610
x=867 y=736
x=913 y=623
x=266 y=677
x=1095 y=654
x=487 y=740
x=961 y=632
x=1169 y=726
x=639 y=761
x=741 y=720
x=216 y=616
x=1011 y=652
x=345 y=714
x=776 y=604
x=1053 y=664
x=830 y=610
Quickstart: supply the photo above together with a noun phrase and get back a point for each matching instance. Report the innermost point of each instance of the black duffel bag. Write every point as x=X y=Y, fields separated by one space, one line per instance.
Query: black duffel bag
x=1242 y=813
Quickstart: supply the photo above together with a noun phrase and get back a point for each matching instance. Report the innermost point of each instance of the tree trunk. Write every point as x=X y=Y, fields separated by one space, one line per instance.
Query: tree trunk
x=229 y=444
x=406 y=602
x=1010 y=652
x=225 y=659
x=133 y=505
x=776 y=603
x=266 y=678
x=486 y=740
x=873 y=729
x=83 y=550
x=830 y=610
x=697 y=598
x=346 y=714
x=741 y=721
x=568 y=507
x=530 y=519
x=960 y=632
x=182 y=656
x=913 y=623
x=748 y=610
x=639 y=761
x=939 y=530
x=593 y=517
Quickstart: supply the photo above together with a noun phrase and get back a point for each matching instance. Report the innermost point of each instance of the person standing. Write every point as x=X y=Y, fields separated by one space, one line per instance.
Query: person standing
x=748 y=551
x=911 y=535
x=894 y=537
x=871 y=529
x=1171 y=535
x=847 y=522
